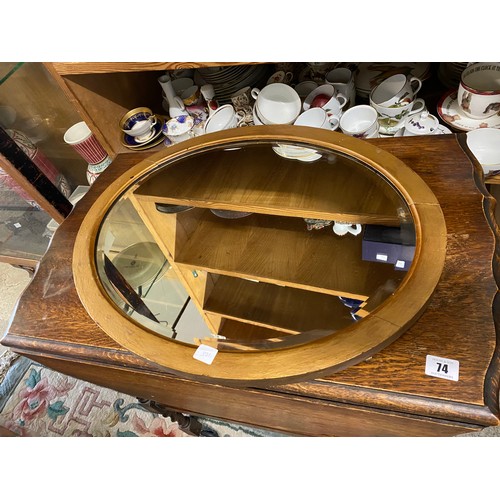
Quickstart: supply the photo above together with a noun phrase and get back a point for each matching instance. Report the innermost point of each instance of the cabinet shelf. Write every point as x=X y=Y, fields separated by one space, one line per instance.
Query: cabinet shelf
x=318 y=261
x=232 y=180
x=81 y=68
x=286 y=309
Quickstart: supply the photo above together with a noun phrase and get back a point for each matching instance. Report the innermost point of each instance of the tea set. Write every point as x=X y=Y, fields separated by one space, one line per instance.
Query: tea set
x=323 y=97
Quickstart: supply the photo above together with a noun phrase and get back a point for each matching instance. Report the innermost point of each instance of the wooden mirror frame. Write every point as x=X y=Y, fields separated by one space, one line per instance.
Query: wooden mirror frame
x=319 y=357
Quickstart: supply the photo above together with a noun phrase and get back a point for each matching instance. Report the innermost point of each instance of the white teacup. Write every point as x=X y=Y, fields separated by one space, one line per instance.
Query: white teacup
x=223 y=118
x=392 y=119
x=318 y=118
x=335 y=106
x=326 y=90
x=305 y=88
x=397 y=90
x=342 y=228
x=181 y=84
x=277 y=103
x=360 y=121
x=479 y=90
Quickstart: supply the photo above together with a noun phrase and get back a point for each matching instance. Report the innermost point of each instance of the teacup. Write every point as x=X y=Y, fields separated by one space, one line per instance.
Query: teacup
x=223 y=118
x=397 y=90
x=335 y=106
x=360 y=121
x=484 y=144
x=305 y=88
x=479 y=90
x=342 y=228
x=280 y=77
x=242 y=98
x=191 y=95
x=138 y=123
x=326 y=92
x=318 y=118
x=343 y=81
x=277 y=103
x=391 y=119
x=181 y=84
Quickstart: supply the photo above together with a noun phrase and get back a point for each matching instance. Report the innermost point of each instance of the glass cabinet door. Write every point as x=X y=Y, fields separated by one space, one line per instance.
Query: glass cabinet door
x=34 y=113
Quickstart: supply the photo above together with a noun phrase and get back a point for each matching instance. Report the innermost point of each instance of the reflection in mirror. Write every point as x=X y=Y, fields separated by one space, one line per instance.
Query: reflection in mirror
x=246 y=248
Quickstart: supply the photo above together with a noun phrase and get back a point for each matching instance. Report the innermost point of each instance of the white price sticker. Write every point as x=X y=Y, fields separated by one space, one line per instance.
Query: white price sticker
x=205 y=354
x=381 y=256
x=442 y=367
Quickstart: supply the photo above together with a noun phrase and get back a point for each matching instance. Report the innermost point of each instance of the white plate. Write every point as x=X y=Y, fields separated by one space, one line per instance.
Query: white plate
x=450 y=112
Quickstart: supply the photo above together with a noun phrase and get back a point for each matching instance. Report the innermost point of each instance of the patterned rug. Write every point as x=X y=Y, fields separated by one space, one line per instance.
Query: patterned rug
x=38 y=402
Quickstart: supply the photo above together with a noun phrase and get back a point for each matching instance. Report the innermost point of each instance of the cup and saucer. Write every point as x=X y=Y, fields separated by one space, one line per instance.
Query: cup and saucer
x=451 y=113
x=152 y=139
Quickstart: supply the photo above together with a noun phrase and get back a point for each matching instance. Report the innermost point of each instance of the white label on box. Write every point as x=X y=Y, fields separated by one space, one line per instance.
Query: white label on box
x=205 y=354
x=442 y=367
x=400 y=264
x=381 y=256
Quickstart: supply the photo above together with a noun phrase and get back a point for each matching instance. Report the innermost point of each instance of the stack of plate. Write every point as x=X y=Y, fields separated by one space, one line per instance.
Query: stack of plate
x=156 y=138
x=228 y=80
x=449 y=73
x=369 y=75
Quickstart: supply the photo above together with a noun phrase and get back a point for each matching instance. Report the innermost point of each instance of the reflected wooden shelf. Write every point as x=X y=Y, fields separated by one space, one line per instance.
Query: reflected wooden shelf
x=233 y=180
x=290 y=310
x=246 y=248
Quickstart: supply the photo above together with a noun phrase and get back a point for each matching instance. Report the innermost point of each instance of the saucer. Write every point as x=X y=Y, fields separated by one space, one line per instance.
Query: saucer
x=450 y=112
x=131 y=143
x=296 y=153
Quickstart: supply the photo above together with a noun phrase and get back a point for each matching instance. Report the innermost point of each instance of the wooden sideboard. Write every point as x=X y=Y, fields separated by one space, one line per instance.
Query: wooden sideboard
x=388 y=394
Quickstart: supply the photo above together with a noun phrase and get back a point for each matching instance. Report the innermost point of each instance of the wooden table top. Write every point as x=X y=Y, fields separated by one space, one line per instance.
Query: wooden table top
x=458 y=322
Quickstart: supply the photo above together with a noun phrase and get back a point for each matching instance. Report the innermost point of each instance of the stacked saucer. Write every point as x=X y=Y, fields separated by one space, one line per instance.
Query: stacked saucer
x=228 y=80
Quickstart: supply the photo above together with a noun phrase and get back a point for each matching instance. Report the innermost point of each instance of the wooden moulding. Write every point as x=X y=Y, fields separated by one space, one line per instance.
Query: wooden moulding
x=319 y=357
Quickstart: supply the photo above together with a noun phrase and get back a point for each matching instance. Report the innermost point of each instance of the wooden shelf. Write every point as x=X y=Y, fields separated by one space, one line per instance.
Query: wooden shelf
x=280 y=250
x=286 y=309
x=238 y=180
x=79 y=68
